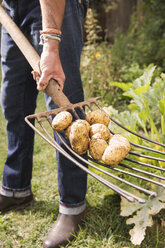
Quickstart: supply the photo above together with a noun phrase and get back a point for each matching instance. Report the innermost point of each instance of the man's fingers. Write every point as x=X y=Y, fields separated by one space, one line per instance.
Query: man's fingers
x=41 y=87
x=36 y=75
x=43 y=82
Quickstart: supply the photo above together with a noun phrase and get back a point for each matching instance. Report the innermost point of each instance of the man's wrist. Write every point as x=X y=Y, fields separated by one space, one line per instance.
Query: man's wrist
x=44 y=38
x=51 y=45
x=50 y=31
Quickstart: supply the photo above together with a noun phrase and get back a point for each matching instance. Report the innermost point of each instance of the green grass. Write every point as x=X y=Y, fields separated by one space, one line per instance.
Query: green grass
x=103 y=227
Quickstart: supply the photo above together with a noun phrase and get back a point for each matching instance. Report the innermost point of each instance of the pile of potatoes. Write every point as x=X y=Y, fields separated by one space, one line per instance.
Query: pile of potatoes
x=93 y=134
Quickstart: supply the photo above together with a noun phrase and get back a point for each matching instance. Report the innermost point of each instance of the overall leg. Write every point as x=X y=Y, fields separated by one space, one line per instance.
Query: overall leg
x=19 y=94
x=72 y=181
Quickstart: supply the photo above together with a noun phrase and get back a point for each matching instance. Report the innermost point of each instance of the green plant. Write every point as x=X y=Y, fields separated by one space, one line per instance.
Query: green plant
x=146 y=113
x=96 y=63
x=141 y=215
x=147 y=103
x=145 y=39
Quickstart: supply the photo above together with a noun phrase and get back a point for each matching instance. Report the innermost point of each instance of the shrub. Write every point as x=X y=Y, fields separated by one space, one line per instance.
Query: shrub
x=146 y=110
x=145 y=41
x=96 y=64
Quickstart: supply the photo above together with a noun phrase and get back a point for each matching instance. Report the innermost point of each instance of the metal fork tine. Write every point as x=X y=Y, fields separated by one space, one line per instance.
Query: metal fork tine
x=82 y=110
x=147 y=148
x=132 y=174
x=146 y=156
x=75 y=113
x=142 y=171
x=121 y=179
x=140 y=177
x=145 y=164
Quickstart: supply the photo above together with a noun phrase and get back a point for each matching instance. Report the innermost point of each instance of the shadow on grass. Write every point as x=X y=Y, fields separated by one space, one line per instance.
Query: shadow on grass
x=104 y=220
x=44 y=208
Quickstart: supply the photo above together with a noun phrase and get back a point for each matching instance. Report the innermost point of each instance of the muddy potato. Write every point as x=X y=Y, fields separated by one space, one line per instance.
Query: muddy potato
x=79 y=137
x=67 y=131
x=97 y=147
x=101 y=129
x=98 y=116
x=119 y=139
x=84 y=122
x=97 y=136
x=61 y=121
x=117 y=150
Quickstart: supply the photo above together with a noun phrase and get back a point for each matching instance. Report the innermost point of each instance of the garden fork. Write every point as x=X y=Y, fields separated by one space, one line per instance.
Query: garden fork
x=94 y=168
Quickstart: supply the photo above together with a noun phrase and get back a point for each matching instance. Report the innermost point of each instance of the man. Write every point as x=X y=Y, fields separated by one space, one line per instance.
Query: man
x=61 y=20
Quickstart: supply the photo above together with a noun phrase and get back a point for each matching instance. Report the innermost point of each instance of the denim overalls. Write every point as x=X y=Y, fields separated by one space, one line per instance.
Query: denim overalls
x=19 y=95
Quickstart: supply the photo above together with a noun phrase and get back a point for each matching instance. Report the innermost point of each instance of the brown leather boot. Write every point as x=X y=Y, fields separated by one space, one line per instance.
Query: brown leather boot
x=63 y=230
x=9 y=203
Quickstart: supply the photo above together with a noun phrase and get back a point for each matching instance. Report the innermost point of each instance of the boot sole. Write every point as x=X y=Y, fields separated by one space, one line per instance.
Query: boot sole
x=18 y=207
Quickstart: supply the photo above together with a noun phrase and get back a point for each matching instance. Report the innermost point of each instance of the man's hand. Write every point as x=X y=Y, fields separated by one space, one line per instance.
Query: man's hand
x=50 y=65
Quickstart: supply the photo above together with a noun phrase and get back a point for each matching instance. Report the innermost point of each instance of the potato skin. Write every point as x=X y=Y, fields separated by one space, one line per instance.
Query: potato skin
x=79 y=137
x=98 y=116
x=101 y=129
x=61 y=121
x=83 y=122
x=97 y=148
x=116 y=151
x=97 y=136
x=67 y=130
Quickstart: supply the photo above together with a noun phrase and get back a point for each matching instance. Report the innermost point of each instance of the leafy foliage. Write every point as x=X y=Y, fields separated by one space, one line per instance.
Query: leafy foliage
x=144 y=42
x=95 y=59
x=146 y=112
x=142 y=214
x=96 y=63
x=128 y=57
x=147 y=103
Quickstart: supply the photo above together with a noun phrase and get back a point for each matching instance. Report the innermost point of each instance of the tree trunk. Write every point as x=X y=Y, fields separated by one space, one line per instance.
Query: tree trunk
x=115 y=20
x=118 y=20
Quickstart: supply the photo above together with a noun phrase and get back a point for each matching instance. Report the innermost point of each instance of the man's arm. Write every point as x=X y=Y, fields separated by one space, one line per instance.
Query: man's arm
x=50 y=64
x=52 y=13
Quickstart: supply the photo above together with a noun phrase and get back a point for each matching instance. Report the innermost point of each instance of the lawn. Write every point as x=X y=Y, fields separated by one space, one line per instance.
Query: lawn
x=103 y=227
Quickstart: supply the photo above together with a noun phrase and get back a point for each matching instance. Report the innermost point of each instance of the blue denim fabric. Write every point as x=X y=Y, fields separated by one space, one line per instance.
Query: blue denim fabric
x=19 y=95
